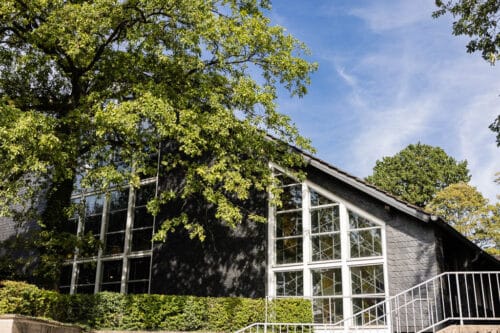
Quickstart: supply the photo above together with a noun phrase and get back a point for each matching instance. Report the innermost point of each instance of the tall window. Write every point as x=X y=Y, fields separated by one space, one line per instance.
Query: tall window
x=289 y=224
x=325 y=228
x=327 y=250
x=125 y=229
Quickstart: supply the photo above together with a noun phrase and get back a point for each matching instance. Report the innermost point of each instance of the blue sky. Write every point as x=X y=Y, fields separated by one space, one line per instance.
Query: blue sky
x=390 y=75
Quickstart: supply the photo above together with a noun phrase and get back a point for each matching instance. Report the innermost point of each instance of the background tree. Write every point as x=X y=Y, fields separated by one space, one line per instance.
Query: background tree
x=417 y=172
x=88 y=87
x=465 y=208
x=478 y=20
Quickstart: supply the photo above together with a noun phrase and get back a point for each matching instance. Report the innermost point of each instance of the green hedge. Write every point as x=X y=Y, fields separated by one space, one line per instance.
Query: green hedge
x=148 y=312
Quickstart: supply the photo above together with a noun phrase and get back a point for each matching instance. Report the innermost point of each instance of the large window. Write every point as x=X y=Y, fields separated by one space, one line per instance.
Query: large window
x=124 y=229
x=289 y=283
x=325 y=228
x=365 y=237
x=327 y=292
x=289 y=224
x=327 y=250
x=368 y=290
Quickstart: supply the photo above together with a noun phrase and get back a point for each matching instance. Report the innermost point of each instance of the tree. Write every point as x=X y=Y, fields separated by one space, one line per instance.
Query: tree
x=465 y=208
x=478 y=20
x=417 y=172
x=88 y=87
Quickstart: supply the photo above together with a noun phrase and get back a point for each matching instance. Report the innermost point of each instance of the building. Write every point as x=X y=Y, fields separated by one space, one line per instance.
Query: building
x=337 y=240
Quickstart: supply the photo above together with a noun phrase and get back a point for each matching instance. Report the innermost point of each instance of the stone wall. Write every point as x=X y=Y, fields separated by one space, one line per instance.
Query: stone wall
x=23 y=324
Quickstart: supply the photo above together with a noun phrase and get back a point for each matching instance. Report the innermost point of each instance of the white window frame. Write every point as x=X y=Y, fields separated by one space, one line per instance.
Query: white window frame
x=307 y=265
x=127 y=247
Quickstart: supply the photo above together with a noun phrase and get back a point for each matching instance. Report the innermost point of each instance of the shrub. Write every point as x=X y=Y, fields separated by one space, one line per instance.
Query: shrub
x=148 y=312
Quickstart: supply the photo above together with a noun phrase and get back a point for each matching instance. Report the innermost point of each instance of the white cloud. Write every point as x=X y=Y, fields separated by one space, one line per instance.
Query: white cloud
x=477 y=144
x=404 y=93
x=397 y=78
x=382 y=16
x=349 y=79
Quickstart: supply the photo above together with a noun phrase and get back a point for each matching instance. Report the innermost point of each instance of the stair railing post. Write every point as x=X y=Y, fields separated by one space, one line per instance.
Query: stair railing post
x=265 y=319
x=459 y=301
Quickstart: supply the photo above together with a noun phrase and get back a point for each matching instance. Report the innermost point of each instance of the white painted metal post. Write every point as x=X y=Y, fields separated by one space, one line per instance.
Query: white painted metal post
x=459 y=300
x=266 y=318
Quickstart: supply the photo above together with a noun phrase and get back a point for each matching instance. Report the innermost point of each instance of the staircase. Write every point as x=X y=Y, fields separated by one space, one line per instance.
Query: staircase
x=452 y=298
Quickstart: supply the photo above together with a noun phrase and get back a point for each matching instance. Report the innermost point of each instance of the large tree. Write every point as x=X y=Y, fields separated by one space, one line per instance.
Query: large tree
x=477 y=19
x=88 y=87
x=417 y=172
x=465 y=208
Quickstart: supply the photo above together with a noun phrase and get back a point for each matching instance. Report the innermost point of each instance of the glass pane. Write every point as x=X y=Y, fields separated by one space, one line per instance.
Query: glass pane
x=291 y=197
x=65 y=278
x=327 y=282
x=357 y=222
x=119 y=199
x=114 y=243
x=325 y=219
x=113 y=287
x=142 y=218
x=144 y=194
x=318 y=200
x=93 y=225
x=366 y=243
x=372 y=317
x=289 y=250
x=289 y=224
x=284 y=179
x=138 y=287
x=64 y=290
x=111 y=271
x=289 y=283
x=117 y=220
x=141 y=239
x=139 y=268
x=93 y=204
x=326 y=247
x=86 y=273
x=88 y=289
x=367 y=280
x=71 y=226
x=327 y=310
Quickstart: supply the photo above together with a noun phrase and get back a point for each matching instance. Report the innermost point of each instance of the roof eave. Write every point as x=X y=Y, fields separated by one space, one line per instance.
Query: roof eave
x=369 y=190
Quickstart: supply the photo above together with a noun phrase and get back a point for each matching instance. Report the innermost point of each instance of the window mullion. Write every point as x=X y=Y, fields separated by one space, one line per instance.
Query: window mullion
x=74 y=273
x=271 y=249
x=306 y=240
x=104 y=226
x=128 y=233
x=344 y=257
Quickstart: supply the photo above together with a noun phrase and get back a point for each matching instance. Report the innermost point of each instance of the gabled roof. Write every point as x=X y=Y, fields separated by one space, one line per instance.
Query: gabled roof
x=393 y=201
x=367 y=188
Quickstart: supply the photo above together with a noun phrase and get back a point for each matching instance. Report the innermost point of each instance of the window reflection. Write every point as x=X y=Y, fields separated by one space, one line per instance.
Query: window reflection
x=289 y=283
x=88 y=215
x=365 y=237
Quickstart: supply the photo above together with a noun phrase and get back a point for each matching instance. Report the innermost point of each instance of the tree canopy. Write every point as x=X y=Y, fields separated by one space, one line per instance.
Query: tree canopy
x=417 y=172
x=465 y=208
x=477 y=20
x=87 y=87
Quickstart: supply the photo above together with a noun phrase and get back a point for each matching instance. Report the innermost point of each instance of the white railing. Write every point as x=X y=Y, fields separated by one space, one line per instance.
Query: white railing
x=287 y=328
x=449 y=298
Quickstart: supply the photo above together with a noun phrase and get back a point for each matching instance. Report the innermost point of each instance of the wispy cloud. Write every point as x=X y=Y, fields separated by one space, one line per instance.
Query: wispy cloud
x=349 y=79
x=390 y=75
x=403 y=93
x=387 y=15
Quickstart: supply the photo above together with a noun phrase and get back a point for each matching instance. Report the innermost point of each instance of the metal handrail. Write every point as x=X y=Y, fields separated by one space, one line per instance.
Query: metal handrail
x=443 y=298
x=460 y=297
x=287 y=327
